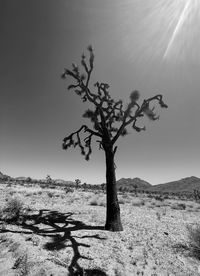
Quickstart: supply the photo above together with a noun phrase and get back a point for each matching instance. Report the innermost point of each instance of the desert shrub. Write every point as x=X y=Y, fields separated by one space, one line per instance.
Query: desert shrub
x=50 y=194
x=12 y=193
x=191 y=206
x=194 y=240
x=3 y=238
x=164 y=211
x=138 y=202
x=121 y=201
x=21 y=264
x=159 y=197
x=166 y=197
x=52 y=187
x=158 y=215
x=13 y=210
x=179 y=206
x=102 y=203
x=97 y=201
x=29 y=194
x=2 y=227
x=69 y=190
x=196 y=195
x=93 y=202
x=158 y=204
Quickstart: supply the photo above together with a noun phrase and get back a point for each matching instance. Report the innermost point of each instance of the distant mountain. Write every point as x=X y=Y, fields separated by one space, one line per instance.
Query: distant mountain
x=64 y=182
x=130 y=183
x=187 y=184
x=1 y=175
x=21 y=178
x=4 y=176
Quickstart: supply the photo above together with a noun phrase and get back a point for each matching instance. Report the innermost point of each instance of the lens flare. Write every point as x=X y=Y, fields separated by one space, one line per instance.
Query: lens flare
x=167 y=30
x=189 y=9
x=181 y=20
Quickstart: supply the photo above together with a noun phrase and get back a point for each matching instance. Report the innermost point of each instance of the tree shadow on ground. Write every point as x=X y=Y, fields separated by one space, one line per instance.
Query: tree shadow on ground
x=59 y=227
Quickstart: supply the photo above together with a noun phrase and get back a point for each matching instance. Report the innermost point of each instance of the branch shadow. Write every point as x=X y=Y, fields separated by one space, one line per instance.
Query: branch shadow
x=59 y=227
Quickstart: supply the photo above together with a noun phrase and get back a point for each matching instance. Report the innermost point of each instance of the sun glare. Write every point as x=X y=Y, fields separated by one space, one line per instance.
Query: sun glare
x=164 y=29
x=186 y=16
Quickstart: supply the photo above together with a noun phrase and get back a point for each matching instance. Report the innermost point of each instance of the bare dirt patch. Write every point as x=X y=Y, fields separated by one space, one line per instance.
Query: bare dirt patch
x=63 y=234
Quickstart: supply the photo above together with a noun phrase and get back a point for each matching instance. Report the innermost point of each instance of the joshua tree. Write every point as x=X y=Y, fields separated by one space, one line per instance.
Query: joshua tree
x=196 y=194
x=135 y=189
x=78 y=181
x=28 y=180
x=110 y=120
x=48 y=179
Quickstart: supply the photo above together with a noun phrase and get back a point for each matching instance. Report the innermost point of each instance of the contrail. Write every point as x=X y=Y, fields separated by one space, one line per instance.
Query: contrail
x=178 y=26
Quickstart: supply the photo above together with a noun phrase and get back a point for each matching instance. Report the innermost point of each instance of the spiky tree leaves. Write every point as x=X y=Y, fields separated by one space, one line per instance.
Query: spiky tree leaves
x=110 y=119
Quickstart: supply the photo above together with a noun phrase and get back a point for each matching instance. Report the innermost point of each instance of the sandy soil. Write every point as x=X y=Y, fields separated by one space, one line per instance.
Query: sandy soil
x=63 y=235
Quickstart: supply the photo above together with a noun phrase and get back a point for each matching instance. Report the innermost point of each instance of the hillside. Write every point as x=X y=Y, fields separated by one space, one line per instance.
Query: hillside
x=3 y=176
x=187 y=184
x=130 y=183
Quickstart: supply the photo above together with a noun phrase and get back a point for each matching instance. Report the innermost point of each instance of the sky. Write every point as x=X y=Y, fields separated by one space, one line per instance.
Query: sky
x=150 y=45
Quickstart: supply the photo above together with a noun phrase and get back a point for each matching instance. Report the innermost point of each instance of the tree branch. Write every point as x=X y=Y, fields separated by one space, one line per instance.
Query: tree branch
x=74 y=140
x=141 y=110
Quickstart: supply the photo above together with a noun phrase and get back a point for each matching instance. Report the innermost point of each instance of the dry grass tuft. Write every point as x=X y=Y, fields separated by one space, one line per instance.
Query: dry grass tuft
x=97 y=201
x=13 y=210
x=21 y=265
x=194 y=240
x=179 y=206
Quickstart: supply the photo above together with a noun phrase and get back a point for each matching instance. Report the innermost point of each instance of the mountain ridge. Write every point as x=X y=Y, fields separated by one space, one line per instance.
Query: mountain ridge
x=187 y=184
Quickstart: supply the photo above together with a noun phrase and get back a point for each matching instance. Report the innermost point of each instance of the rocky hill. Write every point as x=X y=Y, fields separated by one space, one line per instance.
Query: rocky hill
x=1 y=175
x=4 y=176
x=129 y=184
x=184 y=185
x=187 y=184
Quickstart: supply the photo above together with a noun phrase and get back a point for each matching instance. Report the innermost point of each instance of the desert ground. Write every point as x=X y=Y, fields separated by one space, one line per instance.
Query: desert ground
x=61 y=232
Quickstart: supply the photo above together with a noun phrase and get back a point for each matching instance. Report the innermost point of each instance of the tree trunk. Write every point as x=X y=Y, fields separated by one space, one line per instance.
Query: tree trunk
x=113 y=221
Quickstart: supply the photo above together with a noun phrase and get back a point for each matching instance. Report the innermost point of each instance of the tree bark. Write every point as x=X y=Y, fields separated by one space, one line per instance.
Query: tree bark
x=113 y=220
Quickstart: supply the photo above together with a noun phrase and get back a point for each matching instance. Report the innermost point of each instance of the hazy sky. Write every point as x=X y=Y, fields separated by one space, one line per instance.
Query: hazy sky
x=150 y=45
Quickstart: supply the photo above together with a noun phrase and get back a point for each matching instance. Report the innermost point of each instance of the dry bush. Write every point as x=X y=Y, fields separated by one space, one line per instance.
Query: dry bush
x=194 y=240
x=158 y=215
x=121 y=201
x=21 y=265
x=179 y=206
x=159 y=197
x=97 y=201
x=138 y=202
x=13 y=210
x=69 y=190
x=190 y=206
x=50 y=194
x=102 y=202
x=12 y=193
x=93 y=201
x=29 y=194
